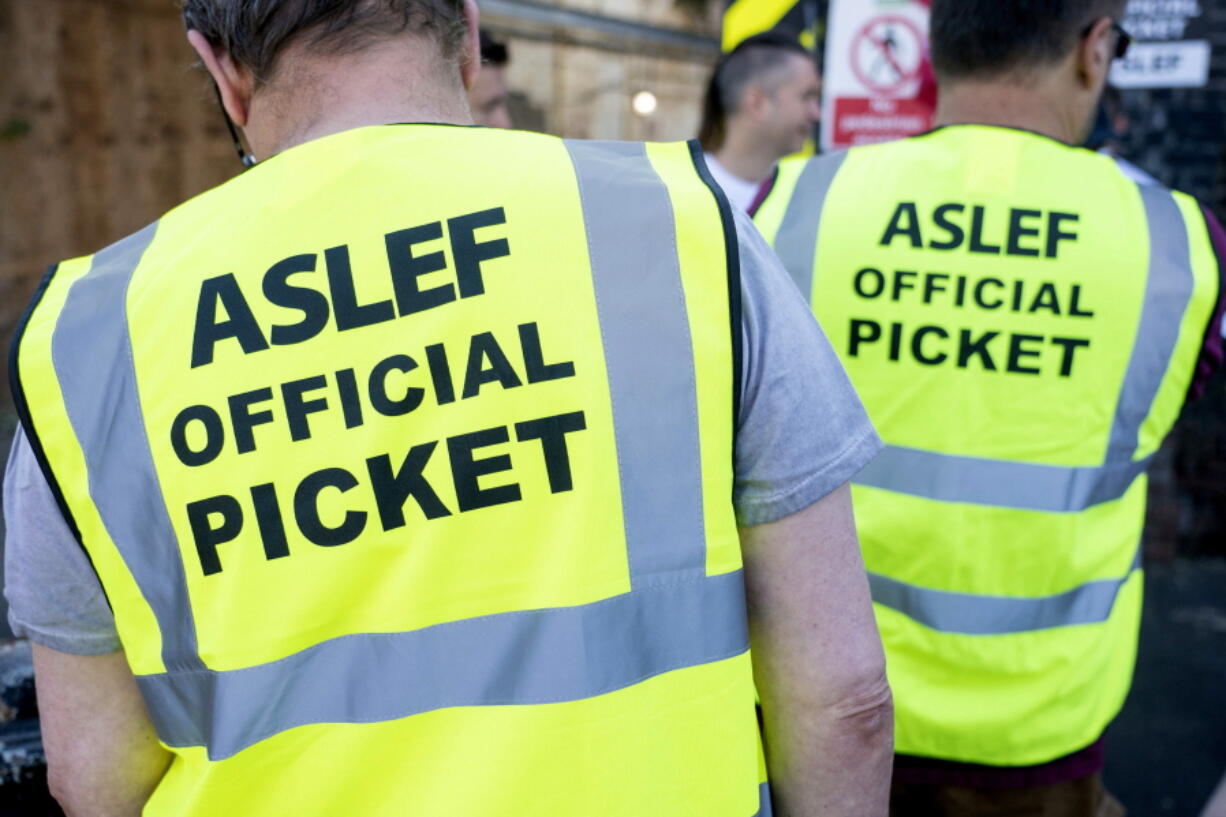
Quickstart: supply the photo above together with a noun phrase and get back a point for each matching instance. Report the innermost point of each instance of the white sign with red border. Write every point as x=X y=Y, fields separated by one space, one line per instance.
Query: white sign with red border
x=876 y=66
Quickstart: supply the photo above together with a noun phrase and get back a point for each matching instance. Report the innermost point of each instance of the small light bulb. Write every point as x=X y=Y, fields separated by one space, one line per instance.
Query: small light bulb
x=644 y=103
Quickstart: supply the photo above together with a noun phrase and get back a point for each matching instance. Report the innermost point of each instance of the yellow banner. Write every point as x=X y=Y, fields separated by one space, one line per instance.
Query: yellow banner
x=746 y=18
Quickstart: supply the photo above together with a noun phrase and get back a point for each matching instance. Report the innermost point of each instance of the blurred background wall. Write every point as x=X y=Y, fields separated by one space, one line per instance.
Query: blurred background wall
x=576 y=66
x=104 y=124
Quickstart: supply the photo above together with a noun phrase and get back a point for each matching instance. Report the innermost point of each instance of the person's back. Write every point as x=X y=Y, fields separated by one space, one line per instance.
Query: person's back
x=405 y=461
x=325 y=388
x=1017 y=340
x=1023 y=323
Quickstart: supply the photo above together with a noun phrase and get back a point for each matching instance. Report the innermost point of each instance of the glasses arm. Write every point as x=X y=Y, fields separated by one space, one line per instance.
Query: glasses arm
x=244 y=155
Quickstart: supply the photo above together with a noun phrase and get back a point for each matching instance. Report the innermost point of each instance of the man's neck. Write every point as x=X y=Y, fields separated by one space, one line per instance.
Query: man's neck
x=746 y=158
x=1007 y=105
x=318 y=98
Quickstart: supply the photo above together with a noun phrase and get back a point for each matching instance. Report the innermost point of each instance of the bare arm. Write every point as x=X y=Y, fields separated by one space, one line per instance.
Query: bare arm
x=818 y=664
x=103 y=758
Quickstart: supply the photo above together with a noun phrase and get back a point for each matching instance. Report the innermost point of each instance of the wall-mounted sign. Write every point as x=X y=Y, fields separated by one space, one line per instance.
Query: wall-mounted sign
x=1171 y=51
x=877 y=72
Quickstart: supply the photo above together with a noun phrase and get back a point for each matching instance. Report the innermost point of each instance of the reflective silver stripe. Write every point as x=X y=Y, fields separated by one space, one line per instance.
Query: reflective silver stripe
x=92 y=354
x=796 y=241
x=629 y=220
x=1168 y=290
x=764 y=799
x=950 y=478
x=972 y=614
x=674 y=616
x=1000 y=483
x=529 y=657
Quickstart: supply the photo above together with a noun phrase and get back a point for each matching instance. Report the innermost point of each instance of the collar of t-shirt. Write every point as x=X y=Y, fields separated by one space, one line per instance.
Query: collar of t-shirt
x=739 y=192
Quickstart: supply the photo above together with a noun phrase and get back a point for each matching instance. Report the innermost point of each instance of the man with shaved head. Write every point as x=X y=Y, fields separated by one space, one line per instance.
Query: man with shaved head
x=762 y=101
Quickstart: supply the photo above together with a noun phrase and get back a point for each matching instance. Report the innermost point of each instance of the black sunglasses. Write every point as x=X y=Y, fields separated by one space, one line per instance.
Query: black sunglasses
x=1122 y=38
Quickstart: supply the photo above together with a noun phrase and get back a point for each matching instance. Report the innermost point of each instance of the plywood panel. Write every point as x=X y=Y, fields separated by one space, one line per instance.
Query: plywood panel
x=104 y=125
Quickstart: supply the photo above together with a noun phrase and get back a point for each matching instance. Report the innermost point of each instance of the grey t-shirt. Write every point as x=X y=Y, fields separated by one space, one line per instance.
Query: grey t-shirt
x=801 y=433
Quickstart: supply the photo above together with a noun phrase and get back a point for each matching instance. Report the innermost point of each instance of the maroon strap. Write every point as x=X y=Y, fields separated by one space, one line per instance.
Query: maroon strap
x=764 y=190
x=1211 y=352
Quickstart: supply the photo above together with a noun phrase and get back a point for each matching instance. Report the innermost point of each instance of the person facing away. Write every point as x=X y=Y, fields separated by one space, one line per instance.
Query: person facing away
x=437 y=468
x=761 y=104
x=1024 y=323
x=488 y=95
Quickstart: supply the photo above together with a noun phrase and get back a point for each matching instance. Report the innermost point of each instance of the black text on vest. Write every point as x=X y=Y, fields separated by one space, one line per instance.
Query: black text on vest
x=479 y=464
x=935 y=343
x=1029 y=234
x=223 y=313
x=398 y=386
x=1024 y=289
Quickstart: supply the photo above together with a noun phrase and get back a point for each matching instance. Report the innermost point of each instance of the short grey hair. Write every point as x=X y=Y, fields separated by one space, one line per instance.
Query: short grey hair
x=256 y=32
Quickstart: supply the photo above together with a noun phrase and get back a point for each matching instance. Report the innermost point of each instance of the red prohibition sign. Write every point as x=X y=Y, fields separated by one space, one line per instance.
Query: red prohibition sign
x=883 y=61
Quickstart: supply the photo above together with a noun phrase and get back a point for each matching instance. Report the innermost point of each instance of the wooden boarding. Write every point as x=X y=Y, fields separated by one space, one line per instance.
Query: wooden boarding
x=104 y=125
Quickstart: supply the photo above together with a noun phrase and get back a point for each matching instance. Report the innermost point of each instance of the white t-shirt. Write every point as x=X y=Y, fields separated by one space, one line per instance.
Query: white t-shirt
x=739 y=192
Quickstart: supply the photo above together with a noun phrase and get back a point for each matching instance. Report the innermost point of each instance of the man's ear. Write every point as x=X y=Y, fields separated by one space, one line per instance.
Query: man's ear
x=235 y=84
x=1094 y=54
x=753 y=101
x=470 y=60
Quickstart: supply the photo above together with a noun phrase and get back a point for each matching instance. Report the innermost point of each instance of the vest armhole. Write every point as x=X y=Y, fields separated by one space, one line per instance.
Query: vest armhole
x=1219 y=260
x=732 y=254
x=23 y=412
x=1213 y=338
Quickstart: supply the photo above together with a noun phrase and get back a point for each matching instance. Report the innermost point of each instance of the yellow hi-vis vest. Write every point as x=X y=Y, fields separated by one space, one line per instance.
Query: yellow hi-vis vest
x=405 y=460
x=1022 y=323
